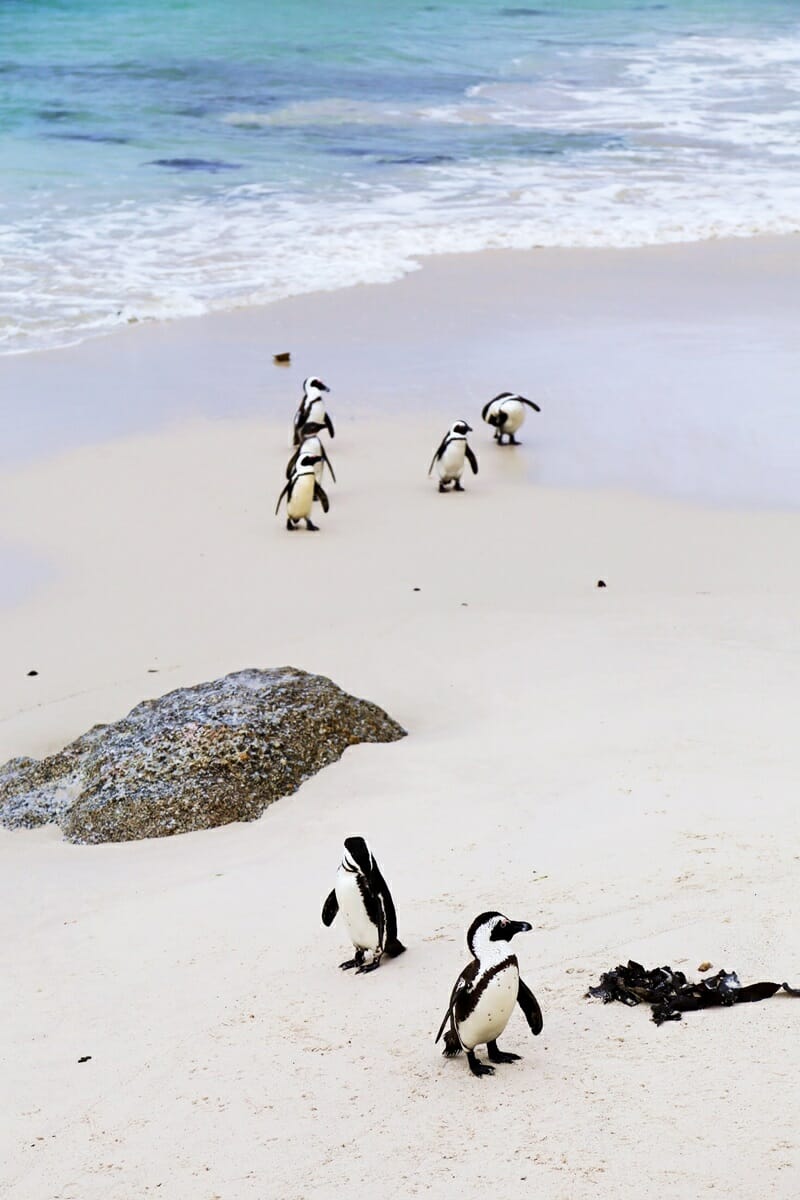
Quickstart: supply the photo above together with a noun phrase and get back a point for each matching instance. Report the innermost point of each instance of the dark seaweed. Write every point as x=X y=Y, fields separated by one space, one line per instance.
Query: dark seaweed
x=669 y=993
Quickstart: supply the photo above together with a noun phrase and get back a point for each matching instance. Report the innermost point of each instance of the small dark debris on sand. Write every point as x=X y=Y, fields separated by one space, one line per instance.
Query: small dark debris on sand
x=601 y=583
x=84 y=1058
x=32 y=673
x=669 y=993
x=283 y=359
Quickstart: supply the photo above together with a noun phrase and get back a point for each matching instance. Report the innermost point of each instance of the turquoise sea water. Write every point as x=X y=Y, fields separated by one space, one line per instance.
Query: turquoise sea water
x=166 y=158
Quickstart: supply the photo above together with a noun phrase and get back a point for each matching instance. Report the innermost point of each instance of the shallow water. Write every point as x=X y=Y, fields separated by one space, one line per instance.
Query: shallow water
x=164 y=159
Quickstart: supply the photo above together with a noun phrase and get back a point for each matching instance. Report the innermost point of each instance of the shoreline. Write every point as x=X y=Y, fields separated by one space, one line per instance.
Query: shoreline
x=417 y=263
x=665 y=370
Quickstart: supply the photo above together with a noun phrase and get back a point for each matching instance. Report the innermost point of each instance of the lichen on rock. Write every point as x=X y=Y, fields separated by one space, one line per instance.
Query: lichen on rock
x=195 y=758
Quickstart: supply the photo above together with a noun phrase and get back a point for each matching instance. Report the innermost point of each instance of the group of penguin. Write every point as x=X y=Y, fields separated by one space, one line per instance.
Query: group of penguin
x=505 y=413
x=485 y=992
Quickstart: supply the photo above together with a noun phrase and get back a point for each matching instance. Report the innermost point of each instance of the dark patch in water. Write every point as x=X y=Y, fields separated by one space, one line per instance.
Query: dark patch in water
x=111 y=138
x=350 y=151
x=54 y=114
x=523 y=12
x=194 y=164
x=419 y=159
x=192 y=110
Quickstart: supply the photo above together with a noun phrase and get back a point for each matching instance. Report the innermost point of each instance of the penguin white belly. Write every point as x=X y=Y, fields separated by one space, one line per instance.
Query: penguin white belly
x=316 y=413
x=363 y=934
x=492 y=1012
x=451 y=464
x=302 y=497
x=515 y=415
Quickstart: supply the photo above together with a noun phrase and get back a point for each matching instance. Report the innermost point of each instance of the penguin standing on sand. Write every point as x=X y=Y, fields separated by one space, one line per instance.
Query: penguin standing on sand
x=363 y=897
x=485 y=993
x=507 y=412
x=313 y=446
x=301 y=491
x=449 y=457
x=311 y=417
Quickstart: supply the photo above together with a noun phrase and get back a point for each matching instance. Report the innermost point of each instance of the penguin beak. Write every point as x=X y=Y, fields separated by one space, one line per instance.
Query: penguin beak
x=504 y=932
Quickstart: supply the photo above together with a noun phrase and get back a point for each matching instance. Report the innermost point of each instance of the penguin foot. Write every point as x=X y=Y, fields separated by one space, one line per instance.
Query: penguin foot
x=290 y=525
x=501 y=1056
x=458 y=487
x=442 y=486
x=452 y=1046
x=311 y=527
x=512 y=441
x=356 y=961
x=478 y=1068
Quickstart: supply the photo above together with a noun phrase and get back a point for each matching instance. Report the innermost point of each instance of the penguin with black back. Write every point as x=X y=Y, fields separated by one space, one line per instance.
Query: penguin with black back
x=312 y=416
x=450 y=456
x=362 y=896
x=486 y=992
x=311 y=445
x=506 y=413
x=301 y=491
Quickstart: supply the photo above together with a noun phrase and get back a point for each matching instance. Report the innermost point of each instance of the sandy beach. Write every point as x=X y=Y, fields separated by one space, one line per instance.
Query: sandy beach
x=616 y=766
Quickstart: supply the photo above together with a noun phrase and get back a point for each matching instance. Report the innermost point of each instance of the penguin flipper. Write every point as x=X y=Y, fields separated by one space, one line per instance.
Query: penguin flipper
x=287 y=491
x=459 y=991
x=392 y=945
x=438 y=454
x=447 y=1016
x=473 y=462
x=299 y=421
x=292 y=463
x=530 y=1006
x=328 y=463
x=320 y=495
x=530 y=403
x=329 y=424
x=330 y=908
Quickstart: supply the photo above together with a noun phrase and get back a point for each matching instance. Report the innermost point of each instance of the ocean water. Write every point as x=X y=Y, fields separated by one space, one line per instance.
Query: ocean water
x=163 y=158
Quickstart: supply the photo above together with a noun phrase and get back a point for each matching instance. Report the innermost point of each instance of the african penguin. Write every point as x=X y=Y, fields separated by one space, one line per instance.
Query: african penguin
x=311 y=445
x=311 y=416
x=449 y=457
x=507 y=412
x=301 y=491
x=366 y=904
x=485 y=994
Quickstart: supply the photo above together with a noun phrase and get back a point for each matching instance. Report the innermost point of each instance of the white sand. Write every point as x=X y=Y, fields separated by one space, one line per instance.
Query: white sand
x=617 y=766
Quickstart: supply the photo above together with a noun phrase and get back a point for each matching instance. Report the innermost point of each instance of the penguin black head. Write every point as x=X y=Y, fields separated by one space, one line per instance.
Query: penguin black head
x=462 y=428
x=357 y=855
x=313 y=384
x=493 y=927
